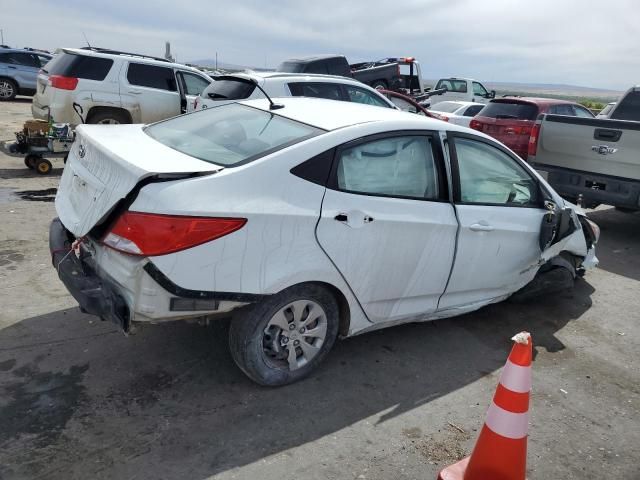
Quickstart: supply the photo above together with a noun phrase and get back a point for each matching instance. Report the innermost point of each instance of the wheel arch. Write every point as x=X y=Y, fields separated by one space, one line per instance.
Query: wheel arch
x=344 y=320
x=101 y=108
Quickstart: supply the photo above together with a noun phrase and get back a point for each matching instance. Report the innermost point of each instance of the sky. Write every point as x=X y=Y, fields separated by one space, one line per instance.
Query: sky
x=578 y=42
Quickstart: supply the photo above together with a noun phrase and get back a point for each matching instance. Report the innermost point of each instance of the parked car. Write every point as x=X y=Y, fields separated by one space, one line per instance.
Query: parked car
x=308 y=219
x=459 y=89
x=19 y=71
x=595 y=159
x=459 y=113
x=241 y=86
x=114 y=87
x=385 y=74
x=604 y=113
x=510 y=119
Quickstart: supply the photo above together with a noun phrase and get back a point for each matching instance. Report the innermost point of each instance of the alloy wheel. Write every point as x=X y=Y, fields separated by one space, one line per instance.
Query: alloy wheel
x=6 y=89
x=295 y=334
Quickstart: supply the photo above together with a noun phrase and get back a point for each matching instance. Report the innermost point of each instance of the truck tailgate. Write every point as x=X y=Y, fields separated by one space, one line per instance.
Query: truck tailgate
x=600 y=146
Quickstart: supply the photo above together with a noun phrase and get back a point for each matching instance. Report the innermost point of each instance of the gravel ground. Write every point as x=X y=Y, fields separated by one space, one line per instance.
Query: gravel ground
x=80 y=400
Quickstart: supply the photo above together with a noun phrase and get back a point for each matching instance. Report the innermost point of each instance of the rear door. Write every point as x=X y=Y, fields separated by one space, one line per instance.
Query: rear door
x=500 y=212
x=386 y=225
x=23 y=67
x=154 y=88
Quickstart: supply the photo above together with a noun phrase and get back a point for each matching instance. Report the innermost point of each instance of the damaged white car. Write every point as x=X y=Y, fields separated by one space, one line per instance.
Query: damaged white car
x=309 y=219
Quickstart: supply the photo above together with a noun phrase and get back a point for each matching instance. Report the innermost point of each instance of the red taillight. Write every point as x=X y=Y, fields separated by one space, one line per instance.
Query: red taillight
x=151 y=234
x=533 y=139
x=476 y=125
x=63 y=83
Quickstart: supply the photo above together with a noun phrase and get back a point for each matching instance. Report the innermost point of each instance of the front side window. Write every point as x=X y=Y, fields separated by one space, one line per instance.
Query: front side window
x=22 y=59
x=478 y=89
x=152 y=76
x=230 y=134
x=396 y=166
x=582 y=112
x=193 y=84
x=562 y=109
x=360 y=95
x=489 y=176
x=42 y=60
x=330 y=91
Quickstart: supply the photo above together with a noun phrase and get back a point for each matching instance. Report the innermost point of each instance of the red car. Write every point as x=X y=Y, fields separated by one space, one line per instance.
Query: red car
x=511 y=119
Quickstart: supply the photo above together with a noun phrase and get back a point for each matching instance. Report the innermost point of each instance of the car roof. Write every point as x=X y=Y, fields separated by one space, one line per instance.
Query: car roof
x=24 y=50
x=540 y=101
x=335 y=114
x=128 y=56
x=303 y=77
x=311 y=58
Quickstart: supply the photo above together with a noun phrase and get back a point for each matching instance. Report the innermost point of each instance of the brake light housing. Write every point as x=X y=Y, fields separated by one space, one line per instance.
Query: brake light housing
x=476 y=125
x=153 y=234
x=63 y=83
x=533 y=140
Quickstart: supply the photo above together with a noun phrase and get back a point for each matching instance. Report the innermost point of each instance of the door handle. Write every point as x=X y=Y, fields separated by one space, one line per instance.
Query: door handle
x=481 y=227
x=12 y=68
x=135 y=92
x=341 y=217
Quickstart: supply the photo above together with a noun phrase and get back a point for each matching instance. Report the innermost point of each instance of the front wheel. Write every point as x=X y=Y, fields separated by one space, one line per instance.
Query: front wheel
x=379 y=85
x=282 y=339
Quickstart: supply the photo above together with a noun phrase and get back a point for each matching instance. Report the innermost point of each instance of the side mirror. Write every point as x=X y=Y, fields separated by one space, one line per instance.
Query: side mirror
x=491 y=94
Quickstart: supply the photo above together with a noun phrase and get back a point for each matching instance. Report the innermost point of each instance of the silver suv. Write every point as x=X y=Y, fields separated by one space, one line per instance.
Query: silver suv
x=95 y=85
x=19 y=71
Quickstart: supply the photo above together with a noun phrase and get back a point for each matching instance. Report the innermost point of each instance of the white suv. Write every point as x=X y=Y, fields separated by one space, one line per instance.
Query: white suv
x=243 y=86
x=109 y=87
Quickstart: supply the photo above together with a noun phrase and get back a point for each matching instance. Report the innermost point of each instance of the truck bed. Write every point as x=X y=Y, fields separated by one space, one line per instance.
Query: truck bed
x=596 y=158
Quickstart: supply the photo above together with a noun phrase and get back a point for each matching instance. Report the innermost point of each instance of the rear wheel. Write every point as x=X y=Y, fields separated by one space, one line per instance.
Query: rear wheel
x=108 y=117
x=284 y=338
x=31 y=160
x=43 y=166
x=379 y=85
x=8 y=89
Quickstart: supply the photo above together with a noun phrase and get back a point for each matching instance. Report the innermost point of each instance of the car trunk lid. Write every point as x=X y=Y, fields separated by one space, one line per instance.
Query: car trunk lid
x=106 y=163
x=513 y=132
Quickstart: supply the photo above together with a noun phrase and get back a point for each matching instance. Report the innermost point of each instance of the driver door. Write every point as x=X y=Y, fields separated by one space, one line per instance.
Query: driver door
x=500 y=213
x=192 y=86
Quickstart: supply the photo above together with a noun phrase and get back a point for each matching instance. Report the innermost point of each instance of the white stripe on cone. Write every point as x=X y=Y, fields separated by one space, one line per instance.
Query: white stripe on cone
x=507 y=424
x=516 y=377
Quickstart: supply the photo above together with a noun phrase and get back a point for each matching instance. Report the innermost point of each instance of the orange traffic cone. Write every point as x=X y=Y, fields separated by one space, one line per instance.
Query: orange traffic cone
x=501 y=450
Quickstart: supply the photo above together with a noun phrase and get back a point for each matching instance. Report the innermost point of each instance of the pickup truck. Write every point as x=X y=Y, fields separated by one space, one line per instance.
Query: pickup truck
x=460 y=89
x=385 y=74
x=595 y=160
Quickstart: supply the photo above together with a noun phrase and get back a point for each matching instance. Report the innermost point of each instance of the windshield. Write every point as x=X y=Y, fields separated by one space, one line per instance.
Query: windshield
x=447 y=107
x=291 y=67
x=231 y=134
x=228 y=89
x=510 y=110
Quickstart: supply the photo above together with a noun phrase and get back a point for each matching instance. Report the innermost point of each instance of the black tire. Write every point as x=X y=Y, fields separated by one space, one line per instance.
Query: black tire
x=109 y=117
x=247 y=334
x=8 y=89
x=379 y=85
x=43 y=166
x=30 y=161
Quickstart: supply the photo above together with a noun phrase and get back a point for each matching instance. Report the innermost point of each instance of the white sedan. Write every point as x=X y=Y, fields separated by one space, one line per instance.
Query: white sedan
x=308 y=219
x=459 y=113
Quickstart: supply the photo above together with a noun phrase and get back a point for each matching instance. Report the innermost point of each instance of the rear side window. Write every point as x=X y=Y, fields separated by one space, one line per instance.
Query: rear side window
x=331 y=91
x=473 y=110
x=396 y=167
x=79 y=66
x=151 y=76
x=230 y=134
x=452 y=85
x=228 y=89
x=628 y=108
x=510 y=110
x=17 y=58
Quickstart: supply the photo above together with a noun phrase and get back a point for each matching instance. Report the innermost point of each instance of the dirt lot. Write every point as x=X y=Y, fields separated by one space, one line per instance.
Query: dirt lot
x=79 y=400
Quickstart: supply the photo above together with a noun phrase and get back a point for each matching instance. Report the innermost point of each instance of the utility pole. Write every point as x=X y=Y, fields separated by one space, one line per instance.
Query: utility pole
x=1 y=37
x=216 y=60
